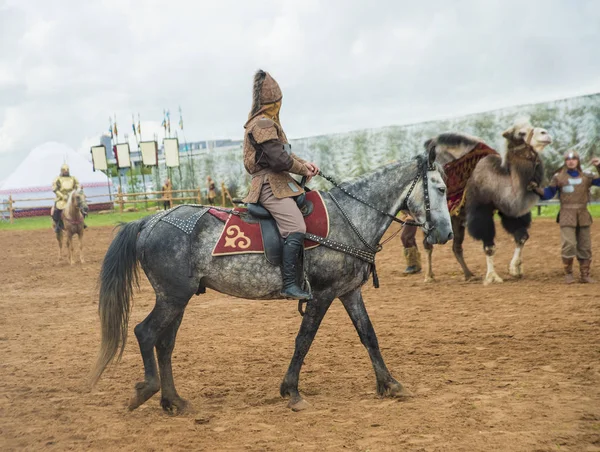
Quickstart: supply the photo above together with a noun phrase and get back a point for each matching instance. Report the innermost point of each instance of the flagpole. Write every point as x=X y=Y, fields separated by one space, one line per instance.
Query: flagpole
x=137 y=141
x=116 y=133
x=189 y=151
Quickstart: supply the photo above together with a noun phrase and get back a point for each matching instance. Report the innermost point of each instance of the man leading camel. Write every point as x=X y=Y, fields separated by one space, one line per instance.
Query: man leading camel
x=573 y=188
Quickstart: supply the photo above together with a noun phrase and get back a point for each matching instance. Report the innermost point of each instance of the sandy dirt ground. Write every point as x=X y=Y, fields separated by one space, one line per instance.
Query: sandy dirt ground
x=513 y=367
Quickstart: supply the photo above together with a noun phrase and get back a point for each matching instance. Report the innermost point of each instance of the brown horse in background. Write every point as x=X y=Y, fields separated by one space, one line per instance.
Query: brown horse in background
x=73 y=216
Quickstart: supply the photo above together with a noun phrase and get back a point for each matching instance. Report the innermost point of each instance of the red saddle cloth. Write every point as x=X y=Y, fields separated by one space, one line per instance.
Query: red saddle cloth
x=458 y=173
x=239 y=237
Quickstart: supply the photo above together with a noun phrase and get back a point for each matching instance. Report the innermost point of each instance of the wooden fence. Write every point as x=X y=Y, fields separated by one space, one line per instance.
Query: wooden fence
x=121 y=200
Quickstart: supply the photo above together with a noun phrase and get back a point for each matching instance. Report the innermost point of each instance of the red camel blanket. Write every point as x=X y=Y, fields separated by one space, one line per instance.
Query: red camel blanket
x=458 y=173
x=239 y=237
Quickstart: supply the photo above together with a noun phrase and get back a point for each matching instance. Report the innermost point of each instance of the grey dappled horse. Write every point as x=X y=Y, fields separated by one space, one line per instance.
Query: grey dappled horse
x=179 y=266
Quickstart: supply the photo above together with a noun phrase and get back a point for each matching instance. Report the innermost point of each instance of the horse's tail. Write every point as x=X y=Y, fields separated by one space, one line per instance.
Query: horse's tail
x=117 y=277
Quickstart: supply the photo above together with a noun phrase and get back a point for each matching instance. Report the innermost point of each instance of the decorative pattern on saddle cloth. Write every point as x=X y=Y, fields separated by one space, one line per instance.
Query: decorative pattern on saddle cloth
x=186 y=225
x=458 y=173
x=240 y=237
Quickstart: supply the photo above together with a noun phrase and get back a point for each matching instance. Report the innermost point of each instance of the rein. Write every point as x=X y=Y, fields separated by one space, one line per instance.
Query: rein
x=369 y=256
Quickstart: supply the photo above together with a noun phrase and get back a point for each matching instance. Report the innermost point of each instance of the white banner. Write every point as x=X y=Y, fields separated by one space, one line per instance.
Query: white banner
x=99 y=158
x=171 y=146
x=149 y=151
x=123 y=160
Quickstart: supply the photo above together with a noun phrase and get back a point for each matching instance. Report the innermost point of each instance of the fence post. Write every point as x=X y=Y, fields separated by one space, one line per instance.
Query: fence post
x=120 y=199
x=10 y=209
x=170 y=191
x=539 y=206
x=223 y=194
x=199 y=196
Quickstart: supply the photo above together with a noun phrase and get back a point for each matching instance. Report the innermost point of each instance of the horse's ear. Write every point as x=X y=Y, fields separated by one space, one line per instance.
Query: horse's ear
x=431 y=152
x=508 y=132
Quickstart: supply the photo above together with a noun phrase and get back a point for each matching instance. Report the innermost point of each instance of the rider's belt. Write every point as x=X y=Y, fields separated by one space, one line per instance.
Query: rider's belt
x=573 y=206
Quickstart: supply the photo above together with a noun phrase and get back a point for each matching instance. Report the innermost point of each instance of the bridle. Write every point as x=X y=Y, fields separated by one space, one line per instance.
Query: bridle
x=423 y=167
x=80 y=208
x=369 y=256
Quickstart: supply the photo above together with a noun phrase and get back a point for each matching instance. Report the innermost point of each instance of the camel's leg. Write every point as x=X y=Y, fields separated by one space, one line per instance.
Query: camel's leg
x=170 y=400
x=491 y=275
x=81 y=246
x=480 y=222
x=429 y=276
x=355 y=307
x=148 y=333
x=458 y=227
x=518 y=228
x=315 y=311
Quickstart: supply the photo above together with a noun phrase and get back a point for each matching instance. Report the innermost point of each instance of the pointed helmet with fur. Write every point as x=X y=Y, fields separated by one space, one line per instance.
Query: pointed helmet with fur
x=265 y=91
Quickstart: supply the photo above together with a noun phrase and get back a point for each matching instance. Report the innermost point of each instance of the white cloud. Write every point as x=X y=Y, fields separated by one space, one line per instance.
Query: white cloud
x=66 y=66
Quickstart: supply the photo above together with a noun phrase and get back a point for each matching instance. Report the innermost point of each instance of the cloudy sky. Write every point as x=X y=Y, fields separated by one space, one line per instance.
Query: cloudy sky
x=66 y=66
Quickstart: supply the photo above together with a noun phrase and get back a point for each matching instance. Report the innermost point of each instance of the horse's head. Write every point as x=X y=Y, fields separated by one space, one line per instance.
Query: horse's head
x=427 y=202
x=524 y=133
x=77 y=198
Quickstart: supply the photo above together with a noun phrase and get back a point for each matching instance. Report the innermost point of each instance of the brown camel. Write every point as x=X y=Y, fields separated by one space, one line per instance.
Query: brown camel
x=495 y=184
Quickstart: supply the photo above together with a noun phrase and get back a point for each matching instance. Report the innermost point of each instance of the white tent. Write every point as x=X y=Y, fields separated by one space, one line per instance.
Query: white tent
x=33 y=178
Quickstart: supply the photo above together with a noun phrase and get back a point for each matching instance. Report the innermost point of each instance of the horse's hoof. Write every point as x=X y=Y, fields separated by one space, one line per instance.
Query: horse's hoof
x=175 y=406
x=429 y=279
x=143 y=391
x=298 y=404
x=471 y=278
x=393 y=389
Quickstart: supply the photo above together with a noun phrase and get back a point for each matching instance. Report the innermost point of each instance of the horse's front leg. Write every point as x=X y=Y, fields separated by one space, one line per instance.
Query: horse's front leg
x=70 y=247
x=81 y=246
x=315 y=311
x=355 y=307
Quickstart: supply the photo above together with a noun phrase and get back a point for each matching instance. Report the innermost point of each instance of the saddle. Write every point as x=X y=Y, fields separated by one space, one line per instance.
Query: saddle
x=252 y=229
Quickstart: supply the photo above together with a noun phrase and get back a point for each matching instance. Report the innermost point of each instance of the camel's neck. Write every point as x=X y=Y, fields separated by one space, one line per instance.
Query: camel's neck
x=385 y=189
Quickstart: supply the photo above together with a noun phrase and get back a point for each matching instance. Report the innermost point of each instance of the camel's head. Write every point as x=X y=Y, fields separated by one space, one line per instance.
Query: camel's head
x=524 y=133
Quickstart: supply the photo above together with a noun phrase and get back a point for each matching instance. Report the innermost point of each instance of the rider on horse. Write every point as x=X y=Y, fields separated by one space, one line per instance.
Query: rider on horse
x=268 y=158
x=62 y=186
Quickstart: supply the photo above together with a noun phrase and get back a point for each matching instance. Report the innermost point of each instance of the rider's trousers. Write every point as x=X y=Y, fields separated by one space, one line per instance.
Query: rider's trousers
x=287 y=215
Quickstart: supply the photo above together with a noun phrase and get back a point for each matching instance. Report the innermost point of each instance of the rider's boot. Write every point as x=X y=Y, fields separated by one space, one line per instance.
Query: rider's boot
x=292 y=249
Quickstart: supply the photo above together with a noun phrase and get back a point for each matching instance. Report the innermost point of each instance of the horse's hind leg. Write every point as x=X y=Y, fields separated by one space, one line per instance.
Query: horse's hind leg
x=458 y=227
x=170 y=400
x=315 y=311
x=355 y=307
x=59 y=239
x=148 y=333
x=518 y=228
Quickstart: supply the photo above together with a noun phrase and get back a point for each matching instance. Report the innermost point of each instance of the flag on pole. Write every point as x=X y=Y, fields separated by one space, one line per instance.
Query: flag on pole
x=133 y=125
x=180 y=119
x=110 y=130
x=169 y=121
x=139 y=127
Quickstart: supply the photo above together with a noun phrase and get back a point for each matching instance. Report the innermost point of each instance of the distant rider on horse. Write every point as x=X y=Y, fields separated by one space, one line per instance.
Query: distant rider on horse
x=62 y=186
x=268 y=158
